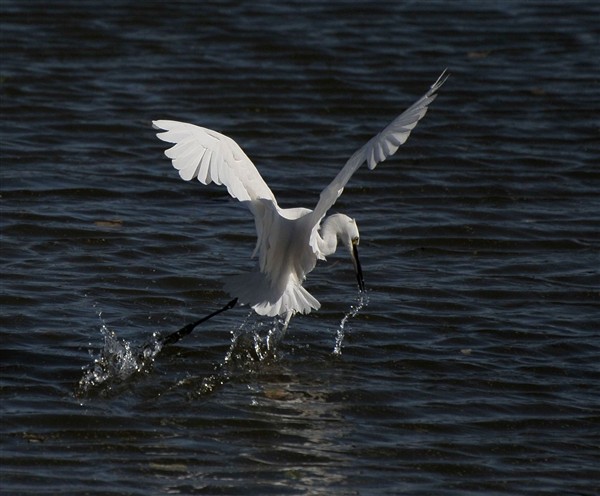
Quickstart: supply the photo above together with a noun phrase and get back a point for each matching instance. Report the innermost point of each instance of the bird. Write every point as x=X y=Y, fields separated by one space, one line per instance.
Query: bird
x=290 y=241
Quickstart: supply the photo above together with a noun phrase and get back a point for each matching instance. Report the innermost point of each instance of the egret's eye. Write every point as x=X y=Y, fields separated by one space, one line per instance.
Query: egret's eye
x=355 y=240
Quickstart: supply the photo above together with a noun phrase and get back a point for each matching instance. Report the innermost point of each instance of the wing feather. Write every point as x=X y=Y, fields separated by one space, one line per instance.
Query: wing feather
x=212 y=157
x=378 y=148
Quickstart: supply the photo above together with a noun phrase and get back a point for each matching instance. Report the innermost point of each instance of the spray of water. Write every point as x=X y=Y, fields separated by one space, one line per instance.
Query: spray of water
x=256 y=341
x=253 y=344
x=117 y=361
x=362 y=301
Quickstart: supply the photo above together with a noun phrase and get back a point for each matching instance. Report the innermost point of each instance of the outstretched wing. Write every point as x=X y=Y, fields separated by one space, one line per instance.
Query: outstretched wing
x=378 y=148
x=212 y=157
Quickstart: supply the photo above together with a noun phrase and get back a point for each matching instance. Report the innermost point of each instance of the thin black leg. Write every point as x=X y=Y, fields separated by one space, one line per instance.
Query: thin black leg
x=185 y=330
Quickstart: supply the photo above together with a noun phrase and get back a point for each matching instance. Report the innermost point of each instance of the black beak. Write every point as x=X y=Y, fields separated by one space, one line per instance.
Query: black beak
x=357 y=267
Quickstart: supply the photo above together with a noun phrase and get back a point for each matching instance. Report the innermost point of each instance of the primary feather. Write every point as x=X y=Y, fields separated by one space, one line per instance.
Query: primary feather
x=378 y=148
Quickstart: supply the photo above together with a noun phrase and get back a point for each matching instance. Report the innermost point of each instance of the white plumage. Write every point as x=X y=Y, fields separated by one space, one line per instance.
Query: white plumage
x=289 y=241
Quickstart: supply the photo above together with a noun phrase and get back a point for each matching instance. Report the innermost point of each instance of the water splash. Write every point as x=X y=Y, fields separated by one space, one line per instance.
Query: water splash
x=362 y=301
x=117 y=361
x=255 y=342
x=254 y=346
x=256 y=339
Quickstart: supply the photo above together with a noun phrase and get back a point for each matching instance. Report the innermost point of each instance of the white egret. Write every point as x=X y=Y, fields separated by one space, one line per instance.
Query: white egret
x=289 y=240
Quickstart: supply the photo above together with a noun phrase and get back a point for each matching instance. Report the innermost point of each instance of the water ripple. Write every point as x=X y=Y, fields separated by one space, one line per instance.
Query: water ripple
x=473 y=369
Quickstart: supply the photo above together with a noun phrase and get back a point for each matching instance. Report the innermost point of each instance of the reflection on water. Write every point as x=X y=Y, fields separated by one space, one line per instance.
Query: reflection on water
x=285 y=429
x=295 y=413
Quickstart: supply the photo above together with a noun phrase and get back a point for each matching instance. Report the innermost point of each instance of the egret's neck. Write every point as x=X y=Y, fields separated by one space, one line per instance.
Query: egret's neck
x=336 y=226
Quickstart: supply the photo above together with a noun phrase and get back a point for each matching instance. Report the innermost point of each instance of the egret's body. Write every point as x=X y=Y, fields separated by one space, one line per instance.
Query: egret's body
x=289 y=241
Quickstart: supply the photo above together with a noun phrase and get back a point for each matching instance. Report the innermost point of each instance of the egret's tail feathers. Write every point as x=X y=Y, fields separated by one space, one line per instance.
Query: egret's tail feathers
x=253 y=288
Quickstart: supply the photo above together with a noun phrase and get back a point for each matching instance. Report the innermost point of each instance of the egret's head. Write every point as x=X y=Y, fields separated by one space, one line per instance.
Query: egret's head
x=347 y=232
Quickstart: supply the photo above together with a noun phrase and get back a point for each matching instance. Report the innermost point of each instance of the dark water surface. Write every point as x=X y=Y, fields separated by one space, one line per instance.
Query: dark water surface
x=474 y=369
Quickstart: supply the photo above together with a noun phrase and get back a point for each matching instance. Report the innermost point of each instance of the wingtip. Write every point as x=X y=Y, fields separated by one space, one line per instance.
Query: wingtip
x=440 y=81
